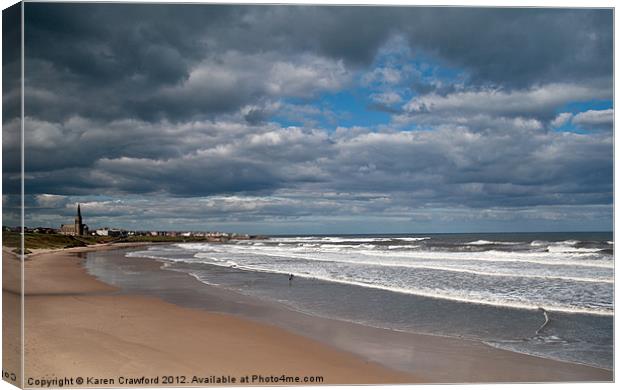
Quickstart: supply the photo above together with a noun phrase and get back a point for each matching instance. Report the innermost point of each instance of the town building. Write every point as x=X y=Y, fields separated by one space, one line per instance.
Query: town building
x=109 y=232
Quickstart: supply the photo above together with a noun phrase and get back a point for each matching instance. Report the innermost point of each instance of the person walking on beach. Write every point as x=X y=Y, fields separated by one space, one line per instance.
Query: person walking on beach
x=290 y=279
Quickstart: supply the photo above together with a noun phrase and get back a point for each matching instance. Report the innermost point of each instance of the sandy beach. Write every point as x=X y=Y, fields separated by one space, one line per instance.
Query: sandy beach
x=78 y=326
x=93 y=329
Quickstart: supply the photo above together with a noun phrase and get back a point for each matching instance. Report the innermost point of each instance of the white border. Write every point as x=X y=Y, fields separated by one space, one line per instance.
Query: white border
x=477 y=3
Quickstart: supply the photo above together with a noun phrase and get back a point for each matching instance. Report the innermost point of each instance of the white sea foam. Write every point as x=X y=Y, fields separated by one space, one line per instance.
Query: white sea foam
x=555 y=275
x=571 y=249
x=403 y=247
x=344 y=239
x=577 y=257
x=430 y=266
x=326 y=239
x=480 y=242
x=485 y=242
x=454 y=295
x=342 y=247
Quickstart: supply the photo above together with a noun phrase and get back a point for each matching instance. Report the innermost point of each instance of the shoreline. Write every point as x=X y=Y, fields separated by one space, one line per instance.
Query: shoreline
x=77 y=325
x=488 y=363
x=238 y=295
x=438 y=354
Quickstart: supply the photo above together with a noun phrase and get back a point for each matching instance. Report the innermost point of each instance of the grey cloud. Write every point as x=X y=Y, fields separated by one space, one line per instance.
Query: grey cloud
x=458 y=166
x=301 y=213
x=121 y=68
x=521 y=165
x=230 y=81
x=386 y=98
x=520 y=47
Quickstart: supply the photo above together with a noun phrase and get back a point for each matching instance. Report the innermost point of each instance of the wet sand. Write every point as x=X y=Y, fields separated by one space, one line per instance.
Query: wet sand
x=94 y=329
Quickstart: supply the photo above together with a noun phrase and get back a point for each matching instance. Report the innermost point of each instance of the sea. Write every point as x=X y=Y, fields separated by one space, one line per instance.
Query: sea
x=543 y=294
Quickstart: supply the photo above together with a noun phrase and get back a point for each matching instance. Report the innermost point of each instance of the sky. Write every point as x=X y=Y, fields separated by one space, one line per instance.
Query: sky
x=314 y=119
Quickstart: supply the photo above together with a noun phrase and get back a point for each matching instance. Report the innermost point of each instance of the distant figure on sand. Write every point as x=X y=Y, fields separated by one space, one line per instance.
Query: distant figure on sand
x=546 y=320
x=290 y=279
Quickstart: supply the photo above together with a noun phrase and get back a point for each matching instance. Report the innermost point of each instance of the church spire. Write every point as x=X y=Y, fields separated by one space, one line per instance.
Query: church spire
x=79 y=227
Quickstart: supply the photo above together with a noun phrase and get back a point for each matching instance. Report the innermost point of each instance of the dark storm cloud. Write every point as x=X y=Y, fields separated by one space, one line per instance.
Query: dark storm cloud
x=121 y=59
x=519 y=47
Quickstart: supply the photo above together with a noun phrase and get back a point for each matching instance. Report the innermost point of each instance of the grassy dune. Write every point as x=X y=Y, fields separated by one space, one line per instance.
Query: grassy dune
x=49 y=241
x=60 y=241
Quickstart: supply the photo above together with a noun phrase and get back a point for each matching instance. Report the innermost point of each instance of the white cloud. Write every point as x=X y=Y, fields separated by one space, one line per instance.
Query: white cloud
x=588 y=120
x=238 y=76
x=536 y=100
x=561 y=119
x=387 y=98
x=49 y=200
x=306 y=75
x=594 y=118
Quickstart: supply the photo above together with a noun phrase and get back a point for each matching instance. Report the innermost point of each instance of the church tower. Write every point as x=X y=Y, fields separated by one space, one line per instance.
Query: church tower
x=79 y=227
